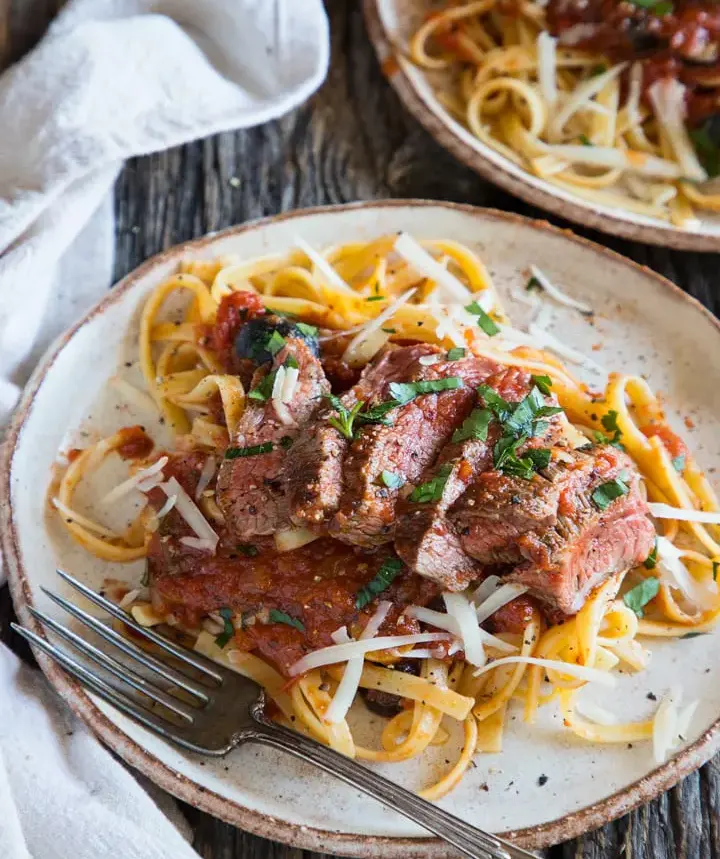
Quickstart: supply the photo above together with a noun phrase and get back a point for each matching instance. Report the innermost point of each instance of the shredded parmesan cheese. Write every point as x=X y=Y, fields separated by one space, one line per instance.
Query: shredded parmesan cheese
x=430 y=268
x=79 y=519
x=556 y=293
x=191 y=513
x=206 y=475
x=329 y=275
x=134 y=481
x=667 y=97
x=501 y=597
x=353 y=352
x=582 y=672
x=547 y=66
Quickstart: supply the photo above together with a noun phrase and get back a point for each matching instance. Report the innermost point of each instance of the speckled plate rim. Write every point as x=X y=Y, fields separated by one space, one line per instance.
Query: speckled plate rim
x=310 y=838
x=494 y=170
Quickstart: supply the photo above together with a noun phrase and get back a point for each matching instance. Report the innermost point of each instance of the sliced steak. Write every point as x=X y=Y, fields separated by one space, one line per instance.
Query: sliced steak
x=416 y=433
x=562 y=540
x=316 y=480
x=425 y=538
x=252 y=490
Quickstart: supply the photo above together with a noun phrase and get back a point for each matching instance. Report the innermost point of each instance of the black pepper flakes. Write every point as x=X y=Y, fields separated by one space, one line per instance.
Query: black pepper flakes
x=543 y=780
x=651 y=696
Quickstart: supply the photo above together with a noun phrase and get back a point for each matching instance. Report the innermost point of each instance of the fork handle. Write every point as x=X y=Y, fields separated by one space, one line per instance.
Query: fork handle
x=467 y=839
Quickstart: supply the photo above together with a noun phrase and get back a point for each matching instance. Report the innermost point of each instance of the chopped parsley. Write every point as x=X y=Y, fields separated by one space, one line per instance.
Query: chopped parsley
x=346 y=419
x=716 y=567
x=229 y=630
x=307 y=330
x=655 y=7
x=456 y=353
x=403 y=392
x=254 y=450
x=390 y=330
x=585 y=140
x=678 y=463
x=433 y=489
x=599 y=69
x=533 y=284
x=484 y=321
x=610 y=425
x=263 y=391
x=382 y=580
x=475 y=426
x=247 y=549
x=544 y=383
x=651 y=561
x=706 y=140
x=375 y=298
x=277 y=616
x=291 y=362
x=391 y=480
x=275 y=343
x=637 y=598
x=523 y=420
x=606 y=493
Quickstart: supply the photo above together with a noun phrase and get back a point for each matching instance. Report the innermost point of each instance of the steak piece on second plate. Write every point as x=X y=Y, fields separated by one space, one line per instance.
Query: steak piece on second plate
x=416 y=432
x=425 y=538
x=316 y=477
x=562 y=530
x=252 y=490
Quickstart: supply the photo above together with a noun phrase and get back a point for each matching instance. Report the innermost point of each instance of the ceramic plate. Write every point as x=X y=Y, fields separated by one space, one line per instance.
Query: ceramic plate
x=643 y=323
x=390 y=24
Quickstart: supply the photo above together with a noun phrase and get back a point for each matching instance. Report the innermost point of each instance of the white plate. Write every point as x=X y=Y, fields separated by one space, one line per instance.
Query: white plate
x=644 y=324
x=390 y=24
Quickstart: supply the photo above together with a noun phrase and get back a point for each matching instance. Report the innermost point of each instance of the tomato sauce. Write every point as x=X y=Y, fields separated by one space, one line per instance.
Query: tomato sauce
x=136 y=444
x=672 y=442
x=683 y=44
x=234 y=310
x=316 y=585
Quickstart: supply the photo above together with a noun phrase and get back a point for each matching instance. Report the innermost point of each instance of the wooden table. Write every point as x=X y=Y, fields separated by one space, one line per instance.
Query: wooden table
x=354 y=141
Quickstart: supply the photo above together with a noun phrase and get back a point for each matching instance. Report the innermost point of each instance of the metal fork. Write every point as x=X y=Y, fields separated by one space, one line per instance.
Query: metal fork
x=219 y=709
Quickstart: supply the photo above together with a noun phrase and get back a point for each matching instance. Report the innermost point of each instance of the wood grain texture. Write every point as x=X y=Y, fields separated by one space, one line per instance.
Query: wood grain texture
x=353 y=141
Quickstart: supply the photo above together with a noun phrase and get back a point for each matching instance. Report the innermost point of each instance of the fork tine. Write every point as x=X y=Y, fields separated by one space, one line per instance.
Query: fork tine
x=117 y=699
x=128 y=647
x=183 y=654
x=117 y=669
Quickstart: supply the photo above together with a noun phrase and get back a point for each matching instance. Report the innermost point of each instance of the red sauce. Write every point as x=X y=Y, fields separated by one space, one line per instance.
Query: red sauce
x=513 y=616
x=137 y=443
x=236 y=308
x=74 y=453
x=684 y=44
x=316 y=584
x=672 y=443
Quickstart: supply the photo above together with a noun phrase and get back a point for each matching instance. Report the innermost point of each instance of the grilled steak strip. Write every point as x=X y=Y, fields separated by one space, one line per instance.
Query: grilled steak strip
x=425 y=539
x=316 y=478
x=252 y=490
x=560 y=541
x=417 y=432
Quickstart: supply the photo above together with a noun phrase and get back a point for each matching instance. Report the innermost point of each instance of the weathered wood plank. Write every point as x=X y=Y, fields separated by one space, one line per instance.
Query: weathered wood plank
x=354 y=141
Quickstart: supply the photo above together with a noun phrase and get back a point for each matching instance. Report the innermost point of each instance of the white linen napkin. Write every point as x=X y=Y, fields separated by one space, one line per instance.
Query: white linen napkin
x=62 y=794
x=110 y=80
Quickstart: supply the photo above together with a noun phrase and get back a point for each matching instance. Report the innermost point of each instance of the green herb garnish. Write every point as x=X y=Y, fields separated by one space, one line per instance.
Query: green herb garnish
x=346 y=419
x=533 y=284
x=678 y=463
x=391 y=480
x=375 y=298
x=384 y=577
x=433 y=489
x=254 y=450
x=307 y=330
x=544 y=383
x=585 y=140
x=606 y=493
x=227 y=633
x=263 y=391
x=716 y=567
x=527 y=412
x=475 y=426
x=706 y=141
x=599 y=69
x=291 y=363
x=275 y=343
x=484 y=321
x=403 y=392
x=390 y=330
x=651 y=561
x=456 y=353
x=277 y=616
x=637 y=598
x=610 y=424
x=247 y=549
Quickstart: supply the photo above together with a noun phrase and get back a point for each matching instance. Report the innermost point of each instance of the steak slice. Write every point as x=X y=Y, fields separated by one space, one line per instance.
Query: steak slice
x=562 y=541
x=316 y=479
x=416 y=432
x=252 y=490
x=425 y=538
